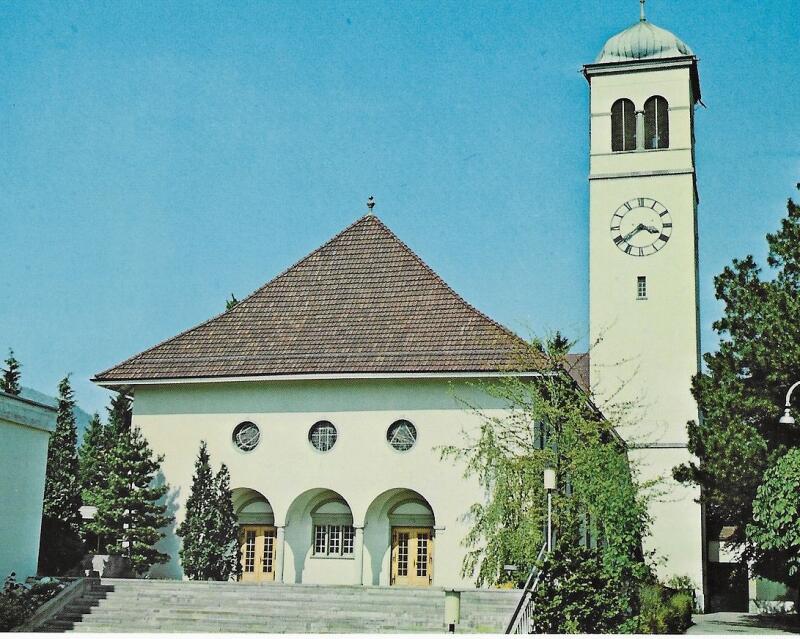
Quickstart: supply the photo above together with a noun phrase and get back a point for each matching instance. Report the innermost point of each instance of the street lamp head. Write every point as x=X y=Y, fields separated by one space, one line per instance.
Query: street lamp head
x=787 y=418
x=549 y=479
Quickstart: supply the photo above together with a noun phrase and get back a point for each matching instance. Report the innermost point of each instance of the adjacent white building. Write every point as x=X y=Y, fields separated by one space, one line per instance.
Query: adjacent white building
x=25 y=429
x=330 y=390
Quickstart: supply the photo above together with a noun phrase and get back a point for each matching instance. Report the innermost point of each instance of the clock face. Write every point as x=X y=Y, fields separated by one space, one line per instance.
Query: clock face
x=641 y=226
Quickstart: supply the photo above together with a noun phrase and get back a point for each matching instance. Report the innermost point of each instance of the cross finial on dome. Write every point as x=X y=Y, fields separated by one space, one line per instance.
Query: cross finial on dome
x=371 y=204
x=641 y=11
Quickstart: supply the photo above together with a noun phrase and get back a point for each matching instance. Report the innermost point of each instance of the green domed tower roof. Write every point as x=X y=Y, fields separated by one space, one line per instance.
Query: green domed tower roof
x=643 y=41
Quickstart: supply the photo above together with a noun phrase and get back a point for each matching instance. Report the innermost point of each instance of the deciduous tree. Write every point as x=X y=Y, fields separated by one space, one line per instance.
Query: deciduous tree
x=775 y=530
x=550 y=422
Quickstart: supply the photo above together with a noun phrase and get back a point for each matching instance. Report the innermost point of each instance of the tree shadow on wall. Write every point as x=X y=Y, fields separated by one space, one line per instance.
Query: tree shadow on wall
x=170 y=543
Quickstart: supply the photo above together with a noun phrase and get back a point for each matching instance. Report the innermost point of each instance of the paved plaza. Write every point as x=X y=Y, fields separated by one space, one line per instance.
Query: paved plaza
x=733 y=623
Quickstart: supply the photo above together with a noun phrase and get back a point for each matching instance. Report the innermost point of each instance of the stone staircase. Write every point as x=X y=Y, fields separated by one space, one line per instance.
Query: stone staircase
x=131 y=605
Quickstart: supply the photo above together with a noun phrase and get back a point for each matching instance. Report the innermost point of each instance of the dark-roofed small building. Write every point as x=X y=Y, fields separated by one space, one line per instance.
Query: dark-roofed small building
x=327 y=392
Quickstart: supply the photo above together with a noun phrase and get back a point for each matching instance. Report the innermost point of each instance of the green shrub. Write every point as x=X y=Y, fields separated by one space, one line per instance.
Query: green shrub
x=652 y=619
x=577 y=594
x=14 y=609
x=679 y=617
x=663 y=611
x=19 y=602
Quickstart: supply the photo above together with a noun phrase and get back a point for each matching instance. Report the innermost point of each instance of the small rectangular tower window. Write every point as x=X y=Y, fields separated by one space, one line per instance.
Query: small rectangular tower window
x=641 y=288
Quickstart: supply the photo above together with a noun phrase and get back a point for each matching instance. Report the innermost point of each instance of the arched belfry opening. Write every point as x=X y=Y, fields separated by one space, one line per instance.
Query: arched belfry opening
x=623 y=125
x=656 y=123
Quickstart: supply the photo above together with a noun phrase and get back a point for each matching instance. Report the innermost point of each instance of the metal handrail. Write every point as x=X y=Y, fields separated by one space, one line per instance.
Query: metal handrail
x=522 y=612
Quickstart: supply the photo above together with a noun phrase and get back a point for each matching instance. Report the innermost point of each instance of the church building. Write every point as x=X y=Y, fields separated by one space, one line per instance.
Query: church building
x=330 y=390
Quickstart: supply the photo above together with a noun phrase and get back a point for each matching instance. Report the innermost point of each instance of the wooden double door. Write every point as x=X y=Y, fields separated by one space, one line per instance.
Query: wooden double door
x=257 y=552
x=412 y=556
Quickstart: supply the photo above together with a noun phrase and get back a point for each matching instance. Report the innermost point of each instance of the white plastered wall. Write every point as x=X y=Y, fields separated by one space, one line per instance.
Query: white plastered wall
x=362 y=467
x=645 y=352
x=25 y=430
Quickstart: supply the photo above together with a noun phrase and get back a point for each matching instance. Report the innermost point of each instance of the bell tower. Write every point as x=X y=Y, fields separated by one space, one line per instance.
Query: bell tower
x=643 y=304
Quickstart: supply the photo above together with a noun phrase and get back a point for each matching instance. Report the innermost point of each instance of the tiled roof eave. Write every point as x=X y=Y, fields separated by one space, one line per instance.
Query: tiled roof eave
x=449 y=374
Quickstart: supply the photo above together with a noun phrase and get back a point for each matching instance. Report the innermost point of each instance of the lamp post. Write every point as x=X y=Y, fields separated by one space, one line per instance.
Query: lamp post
x=787 y=418
x=549 y=486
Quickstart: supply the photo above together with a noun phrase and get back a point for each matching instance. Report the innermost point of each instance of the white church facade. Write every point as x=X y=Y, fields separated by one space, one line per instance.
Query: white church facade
x=330 y=391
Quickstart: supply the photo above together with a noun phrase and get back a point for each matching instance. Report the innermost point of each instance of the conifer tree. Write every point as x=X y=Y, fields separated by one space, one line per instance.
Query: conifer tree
x=197 y=529
x=60 y=545
x=742 y=389
x=92 y=455
x=128 y=510
x=98 y=441
x=119 y=415
x=10 y=381
x=225 y=538
x=62 y=499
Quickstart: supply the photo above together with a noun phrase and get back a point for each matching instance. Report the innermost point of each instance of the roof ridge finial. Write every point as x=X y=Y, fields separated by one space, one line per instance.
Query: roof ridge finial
x=641 y=11
x=370 y=204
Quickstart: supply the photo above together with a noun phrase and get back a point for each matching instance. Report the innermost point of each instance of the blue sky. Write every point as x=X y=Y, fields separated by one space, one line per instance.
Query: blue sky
x=156 y=157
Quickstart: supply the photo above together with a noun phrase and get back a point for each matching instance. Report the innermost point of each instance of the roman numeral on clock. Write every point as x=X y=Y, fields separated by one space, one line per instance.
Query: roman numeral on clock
x=618 y=240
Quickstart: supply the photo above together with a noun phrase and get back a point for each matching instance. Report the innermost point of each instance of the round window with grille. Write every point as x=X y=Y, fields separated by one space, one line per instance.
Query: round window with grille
x=401 y=435
x=322 y=436
x=246 y=436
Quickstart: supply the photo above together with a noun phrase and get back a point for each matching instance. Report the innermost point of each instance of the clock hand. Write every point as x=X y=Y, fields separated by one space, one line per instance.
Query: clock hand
x=651 y=229
x=638 y=228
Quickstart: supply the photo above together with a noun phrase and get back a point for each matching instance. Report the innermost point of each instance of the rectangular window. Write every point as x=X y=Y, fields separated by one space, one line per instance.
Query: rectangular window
x=334 y=540
x=320 y=539
x=266 y=559
x=641 y=288
x=348 y=539
x=250 y=551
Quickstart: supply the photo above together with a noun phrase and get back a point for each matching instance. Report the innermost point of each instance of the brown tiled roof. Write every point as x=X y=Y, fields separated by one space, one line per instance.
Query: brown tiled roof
x=362 y=303
x=577 y=366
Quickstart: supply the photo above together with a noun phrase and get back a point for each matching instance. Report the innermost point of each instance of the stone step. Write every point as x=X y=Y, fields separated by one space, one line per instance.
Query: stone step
x=135 y=617
x=155 y=606
x=255 y=608
x=345 y=630
x=259 y=607
x=268 y=625
x=263 y=590
x=228 y=585
x=270 y=595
